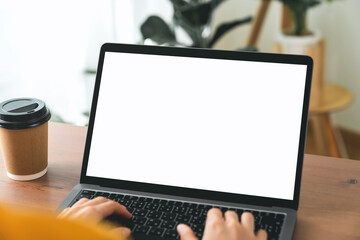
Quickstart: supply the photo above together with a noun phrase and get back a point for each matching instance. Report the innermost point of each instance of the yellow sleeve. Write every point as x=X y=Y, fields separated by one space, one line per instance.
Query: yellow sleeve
x=19 y=224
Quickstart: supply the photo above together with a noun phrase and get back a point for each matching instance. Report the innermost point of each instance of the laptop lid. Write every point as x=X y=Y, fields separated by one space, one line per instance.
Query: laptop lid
x=211 y=124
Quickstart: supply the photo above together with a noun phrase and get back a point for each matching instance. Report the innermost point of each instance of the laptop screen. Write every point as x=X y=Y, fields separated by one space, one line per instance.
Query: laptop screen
x=222 y=125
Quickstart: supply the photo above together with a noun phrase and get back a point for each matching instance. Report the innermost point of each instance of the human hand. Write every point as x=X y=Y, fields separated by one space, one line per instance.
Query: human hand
x=225 y=227
x=95 y=210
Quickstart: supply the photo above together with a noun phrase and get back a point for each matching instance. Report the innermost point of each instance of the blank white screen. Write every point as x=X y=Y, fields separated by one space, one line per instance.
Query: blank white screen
x=221 y=125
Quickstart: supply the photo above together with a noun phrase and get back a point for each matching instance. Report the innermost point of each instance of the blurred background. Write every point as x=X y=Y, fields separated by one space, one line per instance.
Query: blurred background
x=49 y=50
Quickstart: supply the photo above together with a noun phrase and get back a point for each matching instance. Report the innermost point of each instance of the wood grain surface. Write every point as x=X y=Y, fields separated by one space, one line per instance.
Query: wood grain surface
x=329 y=198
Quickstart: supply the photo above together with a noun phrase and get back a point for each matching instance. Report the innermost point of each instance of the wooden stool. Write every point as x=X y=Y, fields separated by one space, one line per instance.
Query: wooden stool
x=323 y=139
x=326 y=98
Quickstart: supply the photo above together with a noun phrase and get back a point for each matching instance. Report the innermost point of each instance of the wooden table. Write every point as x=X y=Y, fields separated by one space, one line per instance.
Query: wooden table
x=329 y=199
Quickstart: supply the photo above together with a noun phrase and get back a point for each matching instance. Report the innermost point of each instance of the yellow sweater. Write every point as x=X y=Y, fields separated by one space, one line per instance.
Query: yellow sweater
x=27 y=225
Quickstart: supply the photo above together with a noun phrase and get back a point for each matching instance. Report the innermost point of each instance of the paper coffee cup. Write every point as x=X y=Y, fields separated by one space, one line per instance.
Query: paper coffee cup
x=24 y=137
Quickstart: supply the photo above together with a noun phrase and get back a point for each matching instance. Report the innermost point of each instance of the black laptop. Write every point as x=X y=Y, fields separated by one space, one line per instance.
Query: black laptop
x=174 y=132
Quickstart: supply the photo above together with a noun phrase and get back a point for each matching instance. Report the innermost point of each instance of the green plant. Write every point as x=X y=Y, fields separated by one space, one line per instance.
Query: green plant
x=194 y=17
x=298 y=10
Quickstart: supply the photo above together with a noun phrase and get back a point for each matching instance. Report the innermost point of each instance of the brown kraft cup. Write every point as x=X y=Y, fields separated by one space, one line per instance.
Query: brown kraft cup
x=24 y=137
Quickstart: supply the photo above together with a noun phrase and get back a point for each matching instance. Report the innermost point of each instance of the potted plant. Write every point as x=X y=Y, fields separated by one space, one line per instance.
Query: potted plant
x=296 y=37
x=298 y=11
x=194 y=17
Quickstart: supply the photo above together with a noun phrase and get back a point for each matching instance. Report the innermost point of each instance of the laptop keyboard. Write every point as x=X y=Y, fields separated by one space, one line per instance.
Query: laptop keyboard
x=159 y=217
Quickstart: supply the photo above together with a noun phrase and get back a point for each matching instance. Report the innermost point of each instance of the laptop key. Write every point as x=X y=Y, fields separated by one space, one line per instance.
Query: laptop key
x=139 y=220
x=145 y=199
x=257 y=219
x=198 y=235
x=268 y=218
x=280 y=216
x=152 y=206
x=186 y=204
x=277 y=229
x=270 y=229
x=141 y=229
x=88 y=192
x=119 y=196
x=85 y=196
x=223 y=209
x=200 y=206
x=171 y=203
x=168 y=224
x=183 y=218
x=138 y=204
x=267 y=214
x=130 y=209
x=197 y=220
x=180 y=210
x=169 y=216
x=255 y=213
x=134 y=198
x=153 y=222
x=194 y=212
x=166 y=208
x=154 y=231
x=112 y=196
x=264 y=226
x=193 y=206
x=197 y=227
x=126 y=203
x=208 y=207
x=154 y=214
x=140 y=212
x=278 y=223
x=171 y=234
x=204 y=213
x=161 y=201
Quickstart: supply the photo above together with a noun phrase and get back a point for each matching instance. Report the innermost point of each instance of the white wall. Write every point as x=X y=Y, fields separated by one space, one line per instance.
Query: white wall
x=46 y=45
x=43 y=51
x=338 y=23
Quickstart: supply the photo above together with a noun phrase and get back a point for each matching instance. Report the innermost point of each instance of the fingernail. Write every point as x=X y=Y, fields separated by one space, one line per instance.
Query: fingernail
x=180 y=227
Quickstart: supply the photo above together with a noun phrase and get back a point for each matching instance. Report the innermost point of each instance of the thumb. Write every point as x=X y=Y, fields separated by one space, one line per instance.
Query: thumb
x=185 y=232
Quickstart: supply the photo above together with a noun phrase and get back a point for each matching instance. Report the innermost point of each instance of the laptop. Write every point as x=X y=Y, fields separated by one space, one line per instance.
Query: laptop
x=174 y=132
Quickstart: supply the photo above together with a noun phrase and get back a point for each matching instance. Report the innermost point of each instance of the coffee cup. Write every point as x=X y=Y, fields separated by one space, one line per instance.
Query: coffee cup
x=24 y=137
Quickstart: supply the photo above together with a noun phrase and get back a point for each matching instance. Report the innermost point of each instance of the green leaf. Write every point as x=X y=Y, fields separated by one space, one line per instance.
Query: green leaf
x=197 y=14
x=225 y=27
x=301 y=5
x=193 y=31
x=216 y=3
x=178 y=3
x=156 y=29
x=193 y=16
